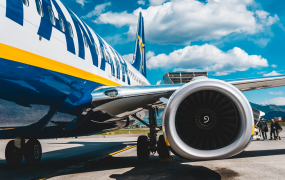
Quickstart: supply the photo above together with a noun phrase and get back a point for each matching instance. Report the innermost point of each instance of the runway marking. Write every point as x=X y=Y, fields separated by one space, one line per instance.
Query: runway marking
x=83 y=164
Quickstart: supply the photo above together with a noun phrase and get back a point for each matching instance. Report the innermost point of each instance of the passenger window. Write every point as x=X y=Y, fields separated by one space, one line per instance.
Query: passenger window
x=70 y=29
x=51 y=16
x=61 y=23
x=39 y=7
x=85 y=40
x=26 y=2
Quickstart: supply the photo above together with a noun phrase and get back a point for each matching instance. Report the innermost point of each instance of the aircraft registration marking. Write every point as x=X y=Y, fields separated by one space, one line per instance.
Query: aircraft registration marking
x=83 y=163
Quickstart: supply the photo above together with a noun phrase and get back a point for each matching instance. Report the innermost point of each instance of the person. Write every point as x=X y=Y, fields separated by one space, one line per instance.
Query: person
x=278 y=130
x=272 y=130
x=263 y=128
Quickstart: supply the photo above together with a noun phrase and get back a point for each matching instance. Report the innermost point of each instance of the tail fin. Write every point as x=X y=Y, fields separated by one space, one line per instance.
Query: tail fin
x=139 y=55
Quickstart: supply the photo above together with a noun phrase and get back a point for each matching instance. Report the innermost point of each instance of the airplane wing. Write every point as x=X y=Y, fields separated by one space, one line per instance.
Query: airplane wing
x=127 y=100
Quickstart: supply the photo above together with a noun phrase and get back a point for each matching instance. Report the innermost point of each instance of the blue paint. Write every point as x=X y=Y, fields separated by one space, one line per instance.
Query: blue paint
x=15 y=11
x=45 y=28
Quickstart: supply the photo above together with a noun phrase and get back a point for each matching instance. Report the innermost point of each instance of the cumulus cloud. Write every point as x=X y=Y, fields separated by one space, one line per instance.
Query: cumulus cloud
x=279 y=101
x=207 y=58
x=82 y=2
x=196 y=20
x=276 y=92
x=97 y=10
x=274 y=65
x=273 y=73
x=156 y=2
x=117 y=19
x=128 y=57
x=149 y=54
x=142 y=2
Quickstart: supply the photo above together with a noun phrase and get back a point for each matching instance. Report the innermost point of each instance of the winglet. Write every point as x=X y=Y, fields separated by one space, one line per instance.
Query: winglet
x=139 y=55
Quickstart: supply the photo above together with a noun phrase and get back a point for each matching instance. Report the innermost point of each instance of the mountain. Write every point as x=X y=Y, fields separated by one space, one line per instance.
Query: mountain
x=270 y=111
x=268 y=108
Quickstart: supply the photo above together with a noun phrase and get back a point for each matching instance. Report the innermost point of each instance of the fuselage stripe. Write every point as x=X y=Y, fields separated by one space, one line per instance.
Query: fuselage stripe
x=18 y=55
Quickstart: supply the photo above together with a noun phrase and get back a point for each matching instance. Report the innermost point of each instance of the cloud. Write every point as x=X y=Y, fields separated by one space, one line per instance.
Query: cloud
x=97 y=10
x=142 y=2
x=207 y=58
x=274 y=65
x=149 y=54
x=196 y=20
x=276 y=92
x=156 y=2
x=117 y=19
x=82 y=2
x=277 y=101
x=129 y=57
x=273 y=73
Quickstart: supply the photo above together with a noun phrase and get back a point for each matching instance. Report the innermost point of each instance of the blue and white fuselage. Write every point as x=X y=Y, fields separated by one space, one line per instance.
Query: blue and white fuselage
x=50 y=62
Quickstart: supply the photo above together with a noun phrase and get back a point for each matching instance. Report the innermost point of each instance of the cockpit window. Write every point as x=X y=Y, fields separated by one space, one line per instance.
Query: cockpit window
x=26 y=2
x=70 y=29
x=39 y=7
x=61 y=23
x=51 y=16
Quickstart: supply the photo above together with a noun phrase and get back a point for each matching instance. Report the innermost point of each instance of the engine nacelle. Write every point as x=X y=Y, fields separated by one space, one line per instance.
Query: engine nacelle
x=207 y=119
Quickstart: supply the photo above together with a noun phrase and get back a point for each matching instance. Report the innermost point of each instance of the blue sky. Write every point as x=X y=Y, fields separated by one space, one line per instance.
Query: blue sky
x=229 y=39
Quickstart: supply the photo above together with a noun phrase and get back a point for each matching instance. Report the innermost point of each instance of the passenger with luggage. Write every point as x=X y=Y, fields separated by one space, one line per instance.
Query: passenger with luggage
x=263 y=128
x=272 y=130
x=278 y=130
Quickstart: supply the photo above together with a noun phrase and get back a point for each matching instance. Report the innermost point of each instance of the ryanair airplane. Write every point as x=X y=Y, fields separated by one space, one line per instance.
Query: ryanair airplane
x=59 y=78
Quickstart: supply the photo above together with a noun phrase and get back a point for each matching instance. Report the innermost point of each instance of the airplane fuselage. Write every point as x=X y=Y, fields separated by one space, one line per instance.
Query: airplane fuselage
x=48 y=68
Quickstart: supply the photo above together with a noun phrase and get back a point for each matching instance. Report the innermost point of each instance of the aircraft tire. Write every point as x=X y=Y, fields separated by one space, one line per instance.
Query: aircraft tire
x=142 y=149
x=162 y=148
x=33 y=151
x=12 y=154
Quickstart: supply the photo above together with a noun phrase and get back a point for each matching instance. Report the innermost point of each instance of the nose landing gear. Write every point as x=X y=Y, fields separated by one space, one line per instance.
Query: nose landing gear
x=17 y=149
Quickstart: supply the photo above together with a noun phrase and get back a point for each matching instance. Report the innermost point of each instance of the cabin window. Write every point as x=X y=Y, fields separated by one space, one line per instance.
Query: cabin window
x=85 y=40
x=70 y=29
x=61 y=23
x=39 y=7
x=26 y=2
x=51 y=16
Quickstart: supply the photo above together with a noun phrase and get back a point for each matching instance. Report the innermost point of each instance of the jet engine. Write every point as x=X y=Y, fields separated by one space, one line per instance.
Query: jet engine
x=207 y=119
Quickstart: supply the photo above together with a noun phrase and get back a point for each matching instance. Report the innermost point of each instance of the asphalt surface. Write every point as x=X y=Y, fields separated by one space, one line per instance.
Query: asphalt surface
x=85 y=158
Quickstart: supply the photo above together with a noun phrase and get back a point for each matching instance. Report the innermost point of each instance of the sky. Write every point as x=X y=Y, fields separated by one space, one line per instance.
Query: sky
x=229 y=39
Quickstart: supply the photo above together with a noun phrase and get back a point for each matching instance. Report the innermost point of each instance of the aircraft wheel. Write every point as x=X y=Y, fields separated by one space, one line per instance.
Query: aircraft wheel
x=142 y=149
x=162 y=148
x=13 y=154
x=33 y=151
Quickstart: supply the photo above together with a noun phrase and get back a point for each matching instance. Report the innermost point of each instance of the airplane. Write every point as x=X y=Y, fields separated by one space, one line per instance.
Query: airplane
x=59 y=78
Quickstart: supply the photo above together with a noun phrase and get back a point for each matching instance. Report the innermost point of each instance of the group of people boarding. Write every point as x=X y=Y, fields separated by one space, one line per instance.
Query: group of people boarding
x=275 y=129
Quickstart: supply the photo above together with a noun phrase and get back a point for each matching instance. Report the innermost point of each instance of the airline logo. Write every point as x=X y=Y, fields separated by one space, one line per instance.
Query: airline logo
x=142 y=51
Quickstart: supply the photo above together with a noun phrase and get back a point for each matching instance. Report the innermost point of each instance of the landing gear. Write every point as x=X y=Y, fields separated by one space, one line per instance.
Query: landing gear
x=33 y=151
x=13 y=154
x=17 y=149
x=142 y=149
x=147 y=145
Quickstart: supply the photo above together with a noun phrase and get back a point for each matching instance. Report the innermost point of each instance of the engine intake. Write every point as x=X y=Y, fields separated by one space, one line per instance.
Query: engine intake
x=207 y=119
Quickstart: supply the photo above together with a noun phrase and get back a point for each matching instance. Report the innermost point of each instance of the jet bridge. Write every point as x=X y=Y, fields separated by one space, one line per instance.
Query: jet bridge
x=181 y=77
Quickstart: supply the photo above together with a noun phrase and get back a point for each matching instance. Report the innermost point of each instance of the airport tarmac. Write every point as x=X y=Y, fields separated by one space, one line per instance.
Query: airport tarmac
x=85 y=158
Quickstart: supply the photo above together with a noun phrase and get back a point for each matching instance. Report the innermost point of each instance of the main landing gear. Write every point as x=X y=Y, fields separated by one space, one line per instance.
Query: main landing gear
x=148 y=144
x=19 y=148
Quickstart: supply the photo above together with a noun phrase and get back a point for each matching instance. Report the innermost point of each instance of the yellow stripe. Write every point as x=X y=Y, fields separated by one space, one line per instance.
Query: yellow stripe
x=253 y=128
x=166 y=142
x=19 y=55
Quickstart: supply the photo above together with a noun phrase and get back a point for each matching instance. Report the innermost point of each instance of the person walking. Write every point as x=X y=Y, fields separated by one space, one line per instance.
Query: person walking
x=263 y=128
x=272 y=130
x=278 y=130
